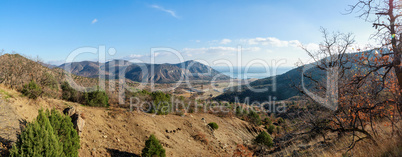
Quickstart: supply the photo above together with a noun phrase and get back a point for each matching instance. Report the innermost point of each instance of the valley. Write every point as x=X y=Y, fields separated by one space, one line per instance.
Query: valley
x=118 y=130
x=201 y=78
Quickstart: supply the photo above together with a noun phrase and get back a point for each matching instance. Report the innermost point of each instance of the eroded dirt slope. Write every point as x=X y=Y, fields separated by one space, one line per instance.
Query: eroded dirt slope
x=117 y=132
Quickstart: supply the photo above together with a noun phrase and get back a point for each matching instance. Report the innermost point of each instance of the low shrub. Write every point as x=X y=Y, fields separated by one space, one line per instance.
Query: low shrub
x=213 y=125
x=267 y=121
x=270 y=128
x=69 y=93
x=50 y=134
x=96 y=98
x=265 y=139
x=50 y=81
x=281 y=120
x=254 y=118
x=153 y=148
x=278 y=129
x=162 y=102
x=32 y=90
x=65 y=131
x=239 y=111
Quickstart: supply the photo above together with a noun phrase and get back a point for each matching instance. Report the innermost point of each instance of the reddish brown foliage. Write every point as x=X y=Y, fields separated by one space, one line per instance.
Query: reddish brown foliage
x=242 y=151
x=201 y=137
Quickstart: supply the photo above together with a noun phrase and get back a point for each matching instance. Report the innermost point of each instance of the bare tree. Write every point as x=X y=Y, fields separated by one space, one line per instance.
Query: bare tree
x=385 y=15
x=360 y=101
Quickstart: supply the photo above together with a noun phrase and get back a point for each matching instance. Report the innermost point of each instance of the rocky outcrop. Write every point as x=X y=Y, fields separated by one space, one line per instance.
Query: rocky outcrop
x=77 y=119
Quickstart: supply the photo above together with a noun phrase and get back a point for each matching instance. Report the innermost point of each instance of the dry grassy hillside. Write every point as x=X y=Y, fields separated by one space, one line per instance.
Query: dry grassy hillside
x=17 y=70
x=116 y=132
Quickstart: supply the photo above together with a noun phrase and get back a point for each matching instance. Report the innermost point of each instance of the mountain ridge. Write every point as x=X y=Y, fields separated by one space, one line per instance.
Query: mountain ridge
x=287 y=84
x=142 y=72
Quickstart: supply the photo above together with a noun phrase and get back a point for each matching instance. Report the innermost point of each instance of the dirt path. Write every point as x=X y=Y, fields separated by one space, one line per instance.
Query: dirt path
x=9 y=125
x=9 y=121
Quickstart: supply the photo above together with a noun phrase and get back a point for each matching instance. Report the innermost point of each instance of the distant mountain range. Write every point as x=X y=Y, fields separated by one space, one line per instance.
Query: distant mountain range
x=162 y=73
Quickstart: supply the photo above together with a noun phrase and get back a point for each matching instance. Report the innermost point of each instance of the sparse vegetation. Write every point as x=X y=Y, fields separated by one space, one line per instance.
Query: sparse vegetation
x=270 y=128
x=7 y=95
x=50 y=81
x=69 y=93
x=254 y=118
x=267 y=121
x=345 y=100
x=242 y=151
x=153 y=148
x=161 y=102
x=96 y=98
x=278 y=129
x=32 y=90
x=239 y=111
x=201 y=137
x=281 y=120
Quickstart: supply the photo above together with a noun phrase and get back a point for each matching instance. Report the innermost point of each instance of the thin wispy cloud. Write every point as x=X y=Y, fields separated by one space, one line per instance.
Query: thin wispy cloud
x=225 y=41
x=171 y=12
x=220 y=50
x=272 y=41
x=94 y=21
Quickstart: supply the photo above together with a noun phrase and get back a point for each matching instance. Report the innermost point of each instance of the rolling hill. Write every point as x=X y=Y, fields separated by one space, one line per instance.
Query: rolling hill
x=284 y=88
x=287 y=84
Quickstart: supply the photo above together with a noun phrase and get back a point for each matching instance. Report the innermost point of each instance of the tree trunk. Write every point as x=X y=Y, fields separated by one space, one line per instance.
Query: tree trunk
x=395 y=48
x=398 y=72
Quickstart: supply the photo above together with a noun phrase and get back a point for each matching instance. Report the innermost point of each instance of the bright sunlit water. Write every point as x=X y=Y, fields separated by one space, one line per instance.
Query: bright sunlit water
x=252 y=72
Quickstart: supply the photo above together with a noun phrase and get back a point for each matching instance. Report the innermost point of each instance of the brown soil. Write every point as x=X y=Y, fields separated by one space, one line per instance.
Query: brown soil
x=117 y=132
x=9 y=122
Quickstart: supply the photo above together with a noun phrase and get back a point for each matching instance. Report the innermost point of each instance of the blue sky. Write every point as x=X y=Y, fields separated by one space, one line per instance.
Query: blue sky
x=206 y=30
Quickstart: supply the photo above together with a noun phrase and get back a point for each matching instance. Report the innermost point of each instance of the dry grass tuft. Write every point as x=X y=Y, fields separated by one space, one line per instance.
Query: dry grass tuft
x=388 y=146
x=242 y=151
x=83 y=115
x=201 y=137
